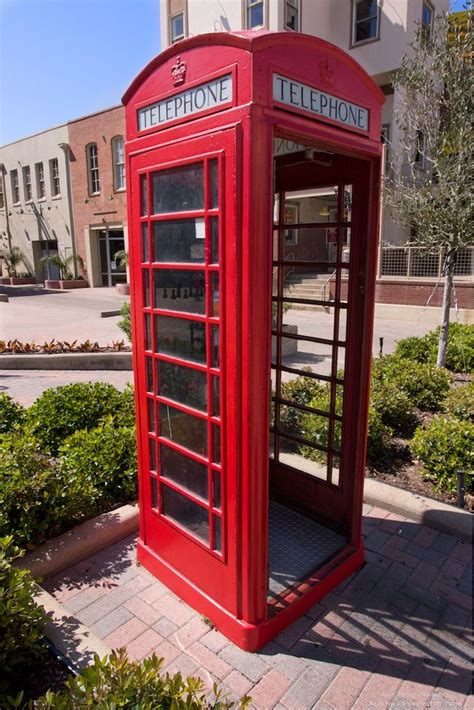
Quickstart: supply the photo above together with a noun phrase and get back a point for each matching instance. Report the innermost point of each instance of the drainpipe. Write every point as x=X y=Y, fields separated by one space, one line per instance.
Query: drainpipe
x=5 y=204
x=67 y=154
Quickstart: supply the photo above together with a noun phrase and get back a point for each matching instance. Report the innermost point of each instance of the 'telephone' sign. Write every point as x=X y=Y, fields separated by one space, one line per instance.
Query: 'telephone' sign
x=294 y=94
x=194 y=100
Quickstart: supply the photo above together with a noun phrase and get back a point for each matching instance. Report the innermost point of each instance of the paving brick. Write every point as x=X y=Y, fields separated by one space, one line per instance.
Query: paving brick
x=144 y=645
x=289 y=636
x=111 y=622
x=378 y=692
x=394 y=553
x=183 y=664
x=249 y=664
x=290 y=665
x=451 y=573
x=425 y=536
x=237 y=684
x=165 y=627
x=214 y=640
x=87 y=595
x=111 y=600
x=345 y=688
x=269 y=690
x=167 y=651
x=153 y=592
x=452 y=595
x=209 y=660
x=142 y=610
x=462 y=552
x=125 y=633
x=444 y=543
x=191 y=631
x=376 y=540
x=423 y=575
x=465 y=583
x=377 y=513
x=309 y=687
x=441 y=702
x=174 y=609
x=428 y=554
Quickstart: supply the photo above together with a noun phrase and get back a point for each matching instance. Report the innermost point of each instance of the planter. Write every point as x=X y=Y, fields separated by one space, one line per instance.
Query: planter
x=66 y=284
x=289 y=347
x=123 y=289
x=51 y=283
x=4 y=281
x=21 y=280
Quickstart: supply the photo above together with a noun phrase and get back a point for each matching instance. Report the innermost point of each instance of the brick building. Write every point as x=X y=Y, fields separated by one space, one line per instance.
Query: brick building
x=99 y=198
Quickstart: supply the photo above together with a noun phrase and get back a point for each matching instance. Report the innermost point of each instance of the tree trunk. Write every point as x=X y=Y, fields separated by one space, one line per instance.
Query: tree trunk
x=448 y=289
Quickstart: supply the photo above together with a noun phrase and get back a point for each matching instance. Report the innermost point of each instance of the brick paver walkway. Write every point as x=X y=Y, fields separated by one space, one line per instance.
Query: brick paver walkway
x=396 y=635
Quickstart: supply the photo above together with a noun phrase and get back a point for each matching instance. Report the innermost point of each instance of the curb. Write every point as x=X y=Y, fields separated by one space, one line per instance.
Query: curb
x=427 y=511
x=69 y=637
x=81 y=542
x=68 y=361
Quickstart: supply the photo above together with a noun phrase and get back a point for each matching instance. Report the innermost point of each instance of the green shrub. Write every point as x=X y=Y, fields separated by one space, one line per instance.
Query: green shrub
x=460 y=402
x=116 y=682
x=60 y=411
x=300 y=390
x=444 y=447
x=459 y=353
x=21 y=619
x=11 y=413
x=124 y=414
x=104 y=459
x=125 y=323
x=425 y=385
x=36 y=501
x=393 y=406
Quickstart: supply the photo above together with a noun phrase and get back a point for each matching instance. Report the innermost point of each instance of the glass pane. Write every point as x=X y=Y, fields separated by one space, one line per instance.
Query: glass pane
x=215 y=296
x=217 y=534
x=312 y=283
x=152 y=452
x=178 y=189
x=216 y=482
x=215 y=397
x=184 y=471
x=300 y=354
x=347 y=203
x=143 y=196
x=149 y=374
x=367 y=29
x=313 y=427
x=346 y=245
x=151 y=416
x=365 y=9
x=177 y=26
x=255 y=16
x=302 y=390
x=182 y=384
x=216 y=435
x=336 y=467
x=184 y=429
x=214 y=240
x=185 y=512
x=312 y=321
x=316 y=205
x=342 y=324
x=310 y=244
x=145 y=250
x=214 y=346
x=179 y=240
x=214 y=174
x=146 y=288
x=147 y=332
x=181 y=338
x=154 y=492
x=179 y=290
x=313 y=462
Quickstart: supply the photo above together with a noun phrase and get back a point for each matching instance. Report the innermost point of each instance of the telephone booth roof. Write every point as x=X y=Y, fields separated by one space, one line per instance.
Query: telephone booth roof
x=251 y=57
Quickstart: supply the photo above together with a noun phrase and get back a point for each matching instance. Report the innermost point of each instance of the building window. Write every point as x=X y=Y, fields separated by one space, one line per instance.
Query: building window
x=2 y=196
x=118 y=157
x=40 y=184
x=54 y=177
x=420 y=149
x=15 y=186
x=365 y=20
x=27 y=183
x=385 y=138
x=254 y=14
x=93 y=168
x=426 y=21
x=292 y=15
x=176 y=27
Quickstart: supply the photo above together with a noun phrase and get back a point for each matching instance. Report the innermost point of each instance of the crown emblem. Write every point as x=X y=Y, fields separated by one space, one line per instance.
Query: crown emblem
x=326 y=72
x=178 y=71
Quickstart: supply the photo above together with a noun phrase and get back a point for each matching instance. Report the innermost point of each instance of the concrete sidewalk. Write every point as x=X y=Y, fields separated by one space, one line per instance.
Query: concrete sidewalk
x=396 y=635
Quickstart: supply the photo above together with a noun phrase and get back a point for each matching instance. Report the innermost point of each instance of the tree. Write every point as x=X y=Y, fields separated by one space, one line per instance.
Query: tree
x=429 y=187
x=12 y=257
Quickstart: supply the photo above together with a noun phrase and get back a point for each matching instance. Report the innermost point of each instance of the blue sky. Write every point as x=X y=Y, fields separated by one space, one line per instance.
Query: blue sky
x=60 y=59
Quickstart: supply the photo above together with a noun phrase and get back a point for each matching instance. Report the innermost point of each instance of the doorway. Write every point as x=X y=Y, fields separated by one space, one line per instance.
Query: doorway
x=112 y=271
x=311 y=281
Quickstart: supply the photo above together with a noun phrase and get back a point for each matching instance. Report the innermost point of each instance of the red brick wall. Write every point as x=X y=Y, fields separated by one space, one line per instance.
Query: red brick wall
x=417 y=293
x=110 y=206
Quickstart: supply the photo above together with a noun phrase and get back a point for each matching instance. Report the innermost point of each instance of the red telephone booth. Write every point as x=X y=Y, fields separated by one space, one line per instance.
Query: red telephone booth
x=253 y=164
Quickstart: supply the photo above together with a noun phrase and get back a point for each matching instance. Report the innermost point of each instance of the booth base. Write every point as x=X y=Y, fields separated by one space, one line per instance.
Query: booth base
x=248 y=636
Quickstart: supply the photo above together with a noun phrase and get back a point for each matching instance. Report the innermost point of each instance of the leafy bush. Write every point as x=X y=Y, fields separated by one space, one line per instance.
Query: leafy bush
x=60 y=411
x=460 y=402
x=116 y=682
x=125 y=323
x=11 y=413
x=300 y=390
x=21 y=619
x=444 y=447
x=425 y=385
x=104 y=459
x=393 y=406
x=124 y=414
x=459 y=354
x=36 y=501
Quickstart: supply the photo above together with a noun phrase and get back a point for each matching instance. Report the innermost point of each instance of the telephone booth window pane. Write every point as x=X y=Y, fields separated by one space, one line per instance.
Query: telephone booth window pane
x=185 y=512
x=214 y=173
x=215 y=397
x=347 y=203
x=182 y=384
x=216 y=482
x=216 y=435
x=217 y=534
x=152 y=450
x=215 y=296
x=151 y=416
x=346 y=246
x=313 y=462
x=214 y=240
x=214 y=346
x=149 y=374
x=143 y=196
x=343 y=324
x=145 y=250
x=146 y=288
x=184 y=471
x=179 y=290
x=154 y=492
x=184 y=429
x=310 y=206
x=181 y=338
x=147 y=332
x=179 y=240
x=178 y=189
x=312 y=244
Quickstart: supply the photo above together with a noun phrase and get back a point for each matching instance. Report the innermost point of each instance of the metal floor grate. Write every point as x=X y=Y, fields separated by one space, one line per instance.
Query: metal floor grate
x=298 y=546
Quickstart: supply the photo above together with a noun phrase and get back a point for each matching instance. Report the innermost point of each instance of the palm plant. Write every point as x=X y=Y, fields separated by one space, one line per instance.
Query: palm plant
x=121 y=257
x=12 y=257
x=63 y=264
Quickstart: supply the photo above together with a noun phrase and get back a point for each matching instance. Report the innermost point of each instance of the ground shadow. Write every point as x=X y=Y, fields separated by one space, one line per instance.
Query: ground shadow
x=21 y=291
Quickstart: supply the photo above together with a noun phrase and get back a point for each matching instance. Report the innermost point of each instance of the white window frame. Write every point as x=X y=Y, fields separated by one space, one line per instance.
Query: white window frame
x=93 y=177
x=248 y=6
x=118 y=162
x=27 y=186
x=40 y=182
x=295 y=5
x=54 y=177
x=15 y=185
x=176 y=38
x=358 y=42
